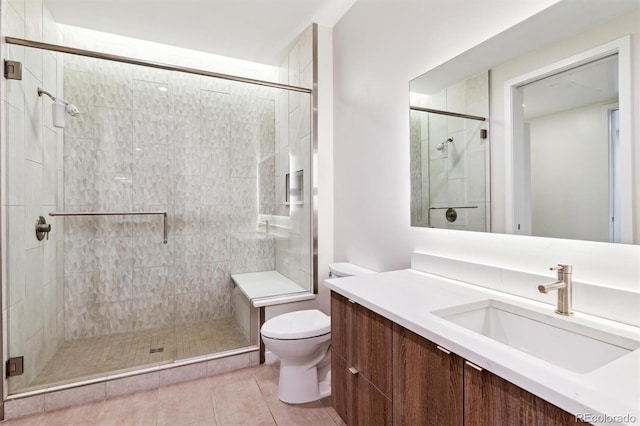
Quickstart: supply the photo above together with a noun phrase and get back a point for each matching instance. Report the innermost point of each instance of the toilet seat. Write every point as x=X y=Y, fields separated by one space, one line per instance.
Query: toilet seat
x=297 y=325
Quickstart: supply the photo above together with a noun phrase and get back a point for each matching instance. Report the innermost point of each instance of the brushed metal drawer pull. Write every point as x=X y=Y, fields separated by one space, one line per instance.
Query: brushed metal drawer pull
x=353 y=370
x=351 y=301
x=473 y=365
x=443 y=350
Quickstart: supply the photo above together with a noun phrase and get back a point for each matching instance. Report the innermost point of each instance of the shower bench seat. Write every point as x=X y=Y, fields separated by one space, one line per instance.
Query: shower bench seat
x=270 y=288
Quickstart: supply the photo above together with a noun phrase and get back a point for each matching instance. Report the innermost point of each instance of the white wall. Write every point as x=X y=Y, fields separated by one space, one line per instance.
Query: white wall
x=378 y=47
x=570 y=174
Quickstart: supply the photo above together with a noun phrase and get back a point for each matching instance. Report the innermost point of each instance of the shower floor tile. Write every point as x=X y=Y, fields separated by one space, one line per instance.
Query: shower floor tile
x=116 y=353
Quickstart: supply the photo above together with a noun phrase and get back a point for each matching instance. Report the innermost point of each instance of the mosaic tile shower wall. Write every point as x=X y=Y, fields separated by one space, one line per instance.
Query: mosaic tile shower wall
x=156 y=140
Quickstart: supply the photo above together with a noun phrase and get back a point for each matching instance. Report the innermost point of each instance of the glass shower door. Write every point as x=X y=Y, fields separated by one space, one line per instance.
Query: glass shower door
x=157 y=192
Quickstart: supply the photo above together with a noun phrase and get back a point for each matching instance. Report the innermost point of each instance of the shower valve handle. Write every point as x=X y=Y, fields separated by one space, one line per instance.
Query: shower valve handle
x=42 y=228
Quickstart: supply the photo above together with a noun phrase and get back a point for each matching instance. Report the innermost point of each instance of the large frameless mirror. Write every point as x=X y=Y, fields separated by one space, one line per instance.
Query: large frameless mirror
x=559 y=124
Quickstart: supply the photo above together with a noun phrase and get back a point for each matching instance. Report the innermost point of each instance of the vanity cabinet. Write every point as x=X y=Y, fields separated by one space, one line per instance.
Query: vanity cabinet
x=433 y=386
x=382 y=373
x=361 y=363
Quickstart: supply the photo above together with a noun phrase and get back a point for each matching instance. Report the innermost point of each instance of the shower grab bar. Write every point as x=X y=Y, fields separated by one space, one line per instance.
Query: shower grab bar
x=163 y=213
x=461 y=207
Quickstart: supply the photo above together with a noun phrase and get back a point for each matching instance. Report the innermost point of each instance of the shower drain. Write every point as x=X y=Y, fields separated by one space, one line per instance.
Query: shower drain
x=156 y=350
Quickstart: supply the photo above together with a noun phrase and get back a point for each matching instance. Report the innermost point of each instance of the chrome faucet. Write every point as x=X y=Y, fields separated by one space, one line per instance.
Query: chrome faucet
x=564 y=285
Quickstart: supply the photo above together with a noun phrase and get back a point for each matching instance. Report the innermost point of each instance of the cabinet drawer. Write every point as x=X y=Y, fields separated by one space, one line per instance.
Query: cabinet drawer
x=355 y=399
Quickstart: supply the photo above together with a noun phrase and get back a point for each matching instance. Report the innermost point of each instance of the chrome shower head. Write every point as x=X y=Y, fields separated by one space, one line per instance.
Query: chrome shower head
x=72 y=110
x=441 y=145
x=60 y=107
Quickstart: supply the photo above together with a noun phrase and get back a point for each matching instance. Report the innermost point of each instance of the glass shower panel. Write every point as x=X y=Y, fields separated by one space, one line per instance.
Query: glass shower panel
x=32 y=185
x=284 y=175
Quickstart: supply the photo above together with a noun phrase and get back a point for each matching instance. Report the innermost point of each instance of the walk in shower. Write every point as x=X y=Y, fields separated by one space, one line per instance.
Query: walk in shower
x=154 y=194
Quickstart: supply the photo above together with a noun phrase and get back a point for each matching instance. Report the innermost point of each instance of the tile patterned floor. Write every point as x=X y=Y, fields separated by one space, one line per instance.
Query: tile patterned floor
x=242 y=397
x=97 y=356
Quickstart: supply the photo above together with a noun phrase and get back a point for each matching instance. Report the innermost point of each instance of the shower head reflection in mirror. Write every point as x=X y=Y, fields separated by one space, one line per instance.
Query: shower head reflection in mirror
x=60 y=107
x=441 y=145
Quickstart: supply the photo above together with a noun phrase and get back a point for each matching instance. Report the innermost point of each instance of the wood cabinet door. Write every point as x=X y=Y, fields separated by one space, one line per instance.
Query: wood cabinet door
x=427 y=382
x=372 y=344
x=491 y=400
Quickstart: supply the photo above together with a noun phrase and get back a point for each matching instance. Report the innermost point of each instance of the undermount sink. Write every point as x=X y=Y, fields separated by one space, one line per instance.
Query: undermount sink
x=564 y=343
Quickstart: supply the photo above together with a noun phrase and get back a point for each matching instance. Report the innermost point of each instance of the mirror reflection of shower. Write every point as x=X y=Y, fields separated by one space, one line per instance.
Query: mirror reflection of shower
x=60 y=107
x=441 y=145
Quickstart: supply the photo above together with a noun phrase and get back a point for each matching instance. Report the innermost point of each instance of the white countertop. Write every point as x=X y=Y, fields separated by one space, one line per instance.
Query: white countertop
x=408 y=297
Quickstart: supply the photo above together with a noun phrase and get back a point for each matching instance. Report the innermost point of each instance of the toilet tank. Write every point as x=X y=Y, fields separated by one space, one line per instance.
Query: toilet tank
x=346 y=269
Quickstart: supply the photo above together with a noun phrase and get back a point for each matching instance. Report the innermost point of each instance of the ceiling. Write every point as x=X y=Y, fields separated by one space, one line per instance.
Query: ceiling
x=588 y=84
x=563 y=19
x=254 y=30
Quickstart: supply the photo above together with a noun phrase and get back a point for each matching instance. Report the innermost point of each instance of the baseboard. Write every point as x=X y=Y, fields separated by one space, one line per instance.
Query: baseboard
x=270 y=358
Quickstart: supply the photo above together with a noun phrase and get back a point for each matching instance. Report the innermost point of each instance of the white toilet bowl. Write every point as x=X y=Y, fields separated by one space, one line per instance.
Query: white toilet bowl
x=301 y=340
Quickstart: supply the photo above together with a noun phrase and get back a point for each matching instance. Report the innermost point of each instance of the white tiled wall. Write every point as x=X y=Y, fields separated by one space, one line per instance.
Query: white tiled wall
x=455 y=176
x=32 y=187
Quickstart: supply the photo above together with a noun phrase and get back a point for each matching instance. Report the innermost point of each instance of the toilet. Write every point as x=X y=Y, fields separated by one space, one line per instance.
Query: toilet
x=301 y=340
